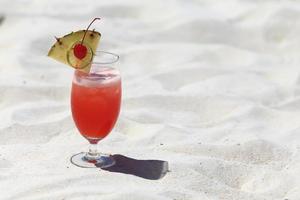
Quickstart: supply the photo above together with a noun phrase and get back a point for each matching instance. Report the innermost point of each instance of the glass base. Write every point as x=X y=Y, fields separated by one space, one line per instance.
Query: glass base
x=84 y=160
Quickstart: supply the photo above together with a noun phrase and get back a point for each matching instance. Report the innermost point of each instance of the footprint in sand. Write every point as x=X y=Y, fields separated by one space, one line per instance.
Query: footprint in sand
x=52 y=189
x=36 y=123
x=256 y=152
x=14 y=95
x=179 y=78
x=39 y=113
x=34 y=133
x=255 y=167
x=193 y=111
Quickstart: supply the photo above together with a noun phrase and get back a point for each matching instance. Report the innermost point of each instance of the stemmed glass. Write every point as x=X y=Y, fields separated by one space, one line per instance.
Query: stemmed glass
x=95 y=103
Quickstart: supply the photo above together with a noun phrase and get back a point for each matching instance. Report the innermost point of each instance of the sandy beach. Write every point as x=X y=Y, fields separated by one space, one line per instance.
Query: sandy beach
x=211 y=87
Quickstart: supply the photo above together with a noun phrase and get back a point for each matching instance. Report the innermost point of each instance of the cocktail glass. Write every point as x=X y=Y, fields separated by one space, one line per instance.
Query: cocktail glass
x=95 y=103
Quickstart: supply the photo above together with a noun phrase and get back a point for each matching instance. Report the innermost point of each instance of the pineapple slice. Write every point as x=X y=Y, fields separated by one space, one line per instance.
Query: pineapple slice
x=62 y=50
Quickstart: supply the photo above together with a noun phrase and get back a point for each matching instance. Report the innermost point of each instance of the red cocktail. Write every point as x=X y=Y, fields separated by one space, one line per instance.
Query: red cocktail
x=95 y=102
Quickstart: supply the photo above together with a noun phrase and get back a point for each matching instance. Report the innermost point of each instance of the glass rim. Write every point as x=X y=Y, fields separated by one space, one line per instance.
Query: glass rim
x=110 y=58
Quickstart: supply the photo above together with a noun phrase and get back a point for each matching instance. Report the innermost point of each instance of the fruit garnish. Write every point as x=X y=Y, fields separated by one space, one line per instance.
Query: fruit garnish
x=80 y=50
x=76 y=49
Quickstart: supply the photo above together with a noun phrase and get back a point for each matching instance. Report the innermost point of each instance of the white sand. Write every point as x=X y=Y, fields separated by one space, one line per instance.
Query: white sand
x=211 y=87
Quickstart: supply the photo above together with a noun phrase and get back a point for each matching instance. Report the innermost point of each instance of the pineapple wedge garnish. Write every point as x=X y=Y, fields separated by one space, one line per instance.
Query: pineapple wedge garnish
x=62 y=50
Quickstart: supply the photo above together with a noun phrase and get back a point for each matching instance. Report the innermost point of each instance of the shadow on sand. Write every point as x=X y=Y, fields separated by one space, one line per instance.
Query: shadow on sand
x=1 y=19
x=148 y=169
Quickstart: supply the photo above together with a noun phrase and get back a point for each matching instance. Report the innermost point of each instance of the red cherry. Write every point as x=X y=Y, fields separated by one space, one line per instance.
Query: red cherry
x=80 y=51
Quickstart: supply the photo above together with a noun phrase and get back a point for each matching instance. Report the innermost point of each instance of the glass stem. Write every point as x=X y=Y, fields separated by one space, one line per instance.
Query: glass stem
x=93 y=152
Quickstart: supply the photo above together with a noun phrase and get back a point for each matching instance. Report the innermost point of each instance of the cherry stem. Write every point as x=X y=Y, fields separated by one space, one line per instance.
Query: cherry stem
x=97 y=18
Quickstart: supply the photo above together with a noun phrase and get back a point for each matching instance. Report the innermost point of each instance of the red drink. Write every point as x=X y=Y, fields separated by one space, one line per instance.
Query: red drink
x=95 y=102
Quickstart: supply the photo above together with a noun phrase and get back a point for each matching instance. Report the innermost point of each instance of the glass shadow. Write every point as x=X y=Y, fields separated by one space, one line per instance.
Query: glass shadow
x=1 y=19
x=148 y=169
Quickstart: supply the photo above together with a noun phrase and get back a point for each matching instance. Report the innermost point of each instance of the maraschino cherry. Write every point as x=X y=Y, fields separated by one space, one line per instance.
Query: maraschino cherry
x=80 y=49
